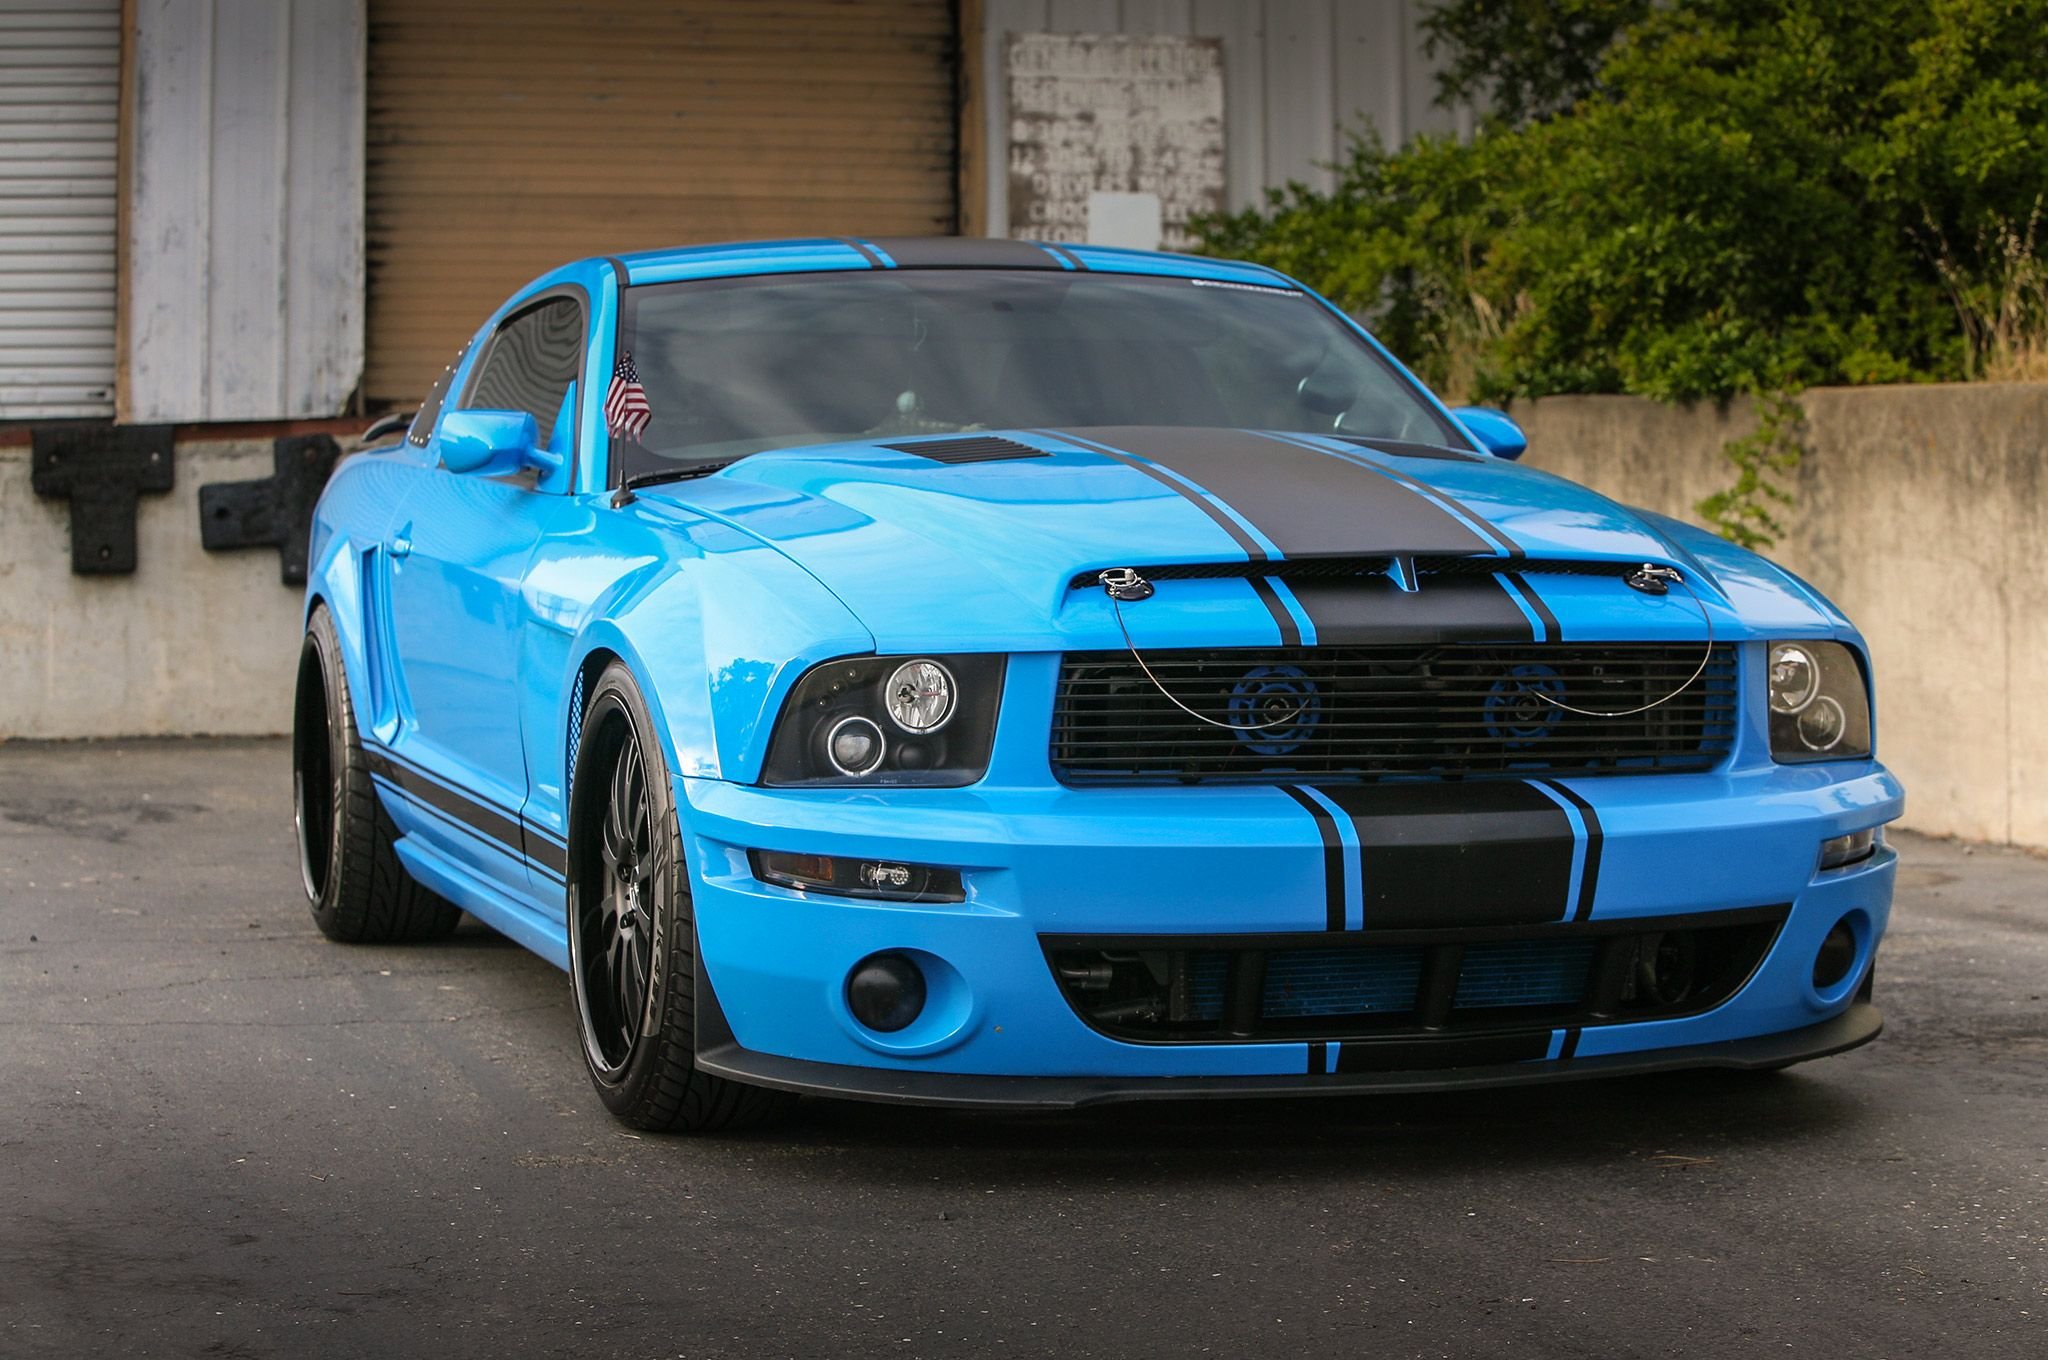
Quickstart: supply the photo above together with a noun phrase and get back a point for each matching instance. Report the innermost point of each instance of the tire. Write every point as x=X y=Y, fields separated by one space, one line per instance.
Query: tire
x=359 y=892
x=632 y=931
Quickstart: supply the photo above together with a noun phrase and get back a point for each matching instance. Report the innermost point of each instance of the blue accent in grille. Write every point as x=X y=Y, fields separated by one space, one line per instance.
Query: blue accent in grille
x=1305 y=983
x=1207 y=975
x=1524 y=973
x=1341 y=982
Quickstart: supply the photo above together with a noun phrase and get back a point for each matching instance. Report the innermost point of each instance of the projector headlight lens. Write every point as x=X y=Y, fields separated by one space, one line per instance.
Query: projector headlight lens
x=1819 y=703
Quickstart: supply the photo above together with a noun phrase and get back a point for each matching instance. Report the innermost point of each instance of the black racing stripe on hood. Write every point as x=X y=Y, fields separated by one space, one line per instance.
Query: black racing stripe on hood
x=1407 y=448
x=1251 y=546
x=1477 y=853
x=1305 y=500
x=1290 y=631
x=1496 y=540
x=1373 y=609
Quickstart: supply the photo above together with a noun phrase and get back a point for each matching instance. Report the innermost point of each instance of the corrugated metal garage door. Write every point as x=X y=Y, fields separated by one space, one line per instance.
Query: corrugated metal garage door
x=60 y=97
x=506 y=136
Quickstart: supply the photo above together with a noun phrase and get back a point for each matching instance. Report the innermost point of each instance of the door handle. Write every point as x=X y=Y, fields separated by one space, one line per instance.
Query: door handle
x=401 y=542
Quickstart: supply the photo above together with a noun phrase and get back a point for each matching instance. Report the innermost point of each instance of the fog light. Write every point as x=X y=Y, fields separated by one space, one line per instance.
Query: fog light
x=898 y=882
x=1666 y=965
x=1853 y=848
x=886 y=992
x=1837 y=955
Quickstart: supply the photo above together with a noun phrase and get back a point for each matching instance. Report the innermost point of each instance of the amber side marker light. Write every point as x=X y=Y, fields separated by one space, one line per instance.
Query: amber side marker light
x=892 y=880
x=1839 y=851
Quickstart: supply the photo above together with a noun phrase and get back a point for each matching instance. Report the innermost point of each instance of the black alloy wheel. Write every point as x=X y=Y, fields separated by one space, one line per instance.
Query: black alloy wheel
x=632 y=929
x=615 y=959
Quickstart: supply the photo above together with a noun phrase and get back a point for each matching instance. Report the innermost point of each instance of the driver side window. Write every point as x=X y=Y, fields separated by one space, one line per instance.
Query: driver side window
x=533 y=360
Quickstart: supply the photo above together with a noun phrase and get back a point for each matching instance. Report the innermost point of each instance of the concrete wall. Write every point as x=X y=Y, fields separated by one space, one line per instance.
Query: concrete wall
x=1923 y=512
x=193 y=642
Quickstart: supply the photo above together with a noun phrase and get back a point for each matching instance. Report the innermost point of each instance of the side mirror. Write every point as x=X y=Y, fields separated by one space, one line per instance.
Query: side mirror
x=1493 y=431
x=493 y=443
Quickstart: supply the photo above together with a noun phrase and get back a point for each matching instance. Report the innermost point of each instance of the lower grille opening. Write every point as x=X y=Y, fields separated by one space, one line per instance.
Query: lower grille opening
x=1409 y=983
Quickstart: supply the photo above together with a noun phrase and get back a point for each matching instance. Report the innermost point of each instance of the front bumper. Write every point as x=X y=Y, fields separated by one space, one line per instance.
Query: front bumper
x=1041 y=862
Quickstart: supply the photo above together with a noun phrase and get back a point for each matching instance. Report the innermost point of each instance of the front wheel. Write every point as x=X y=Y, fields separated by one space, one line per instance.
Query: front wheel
x=632 y=933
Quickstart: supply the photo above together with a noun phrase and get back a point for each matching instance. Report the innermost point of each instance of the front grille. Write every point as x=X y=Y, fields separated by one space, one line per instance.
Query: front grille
x=1368 y=712
x=1409 y=983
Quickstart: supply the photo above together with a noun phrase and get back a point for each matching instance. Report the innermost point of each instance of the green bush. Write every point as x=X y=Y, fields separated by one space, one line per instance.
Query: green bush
x=1741 y=196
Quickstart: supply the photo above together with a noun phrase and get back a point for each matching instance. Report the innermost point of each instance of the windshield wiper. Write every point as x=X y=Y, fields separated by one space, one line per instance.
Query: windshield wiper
x=624 y=495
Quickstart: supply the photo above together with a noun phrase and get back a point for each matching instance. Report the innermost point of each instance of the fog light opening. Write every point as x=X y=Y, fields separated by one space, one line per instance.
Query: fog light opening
x=1667 y=965
x=886 y=992
x=1836 y=957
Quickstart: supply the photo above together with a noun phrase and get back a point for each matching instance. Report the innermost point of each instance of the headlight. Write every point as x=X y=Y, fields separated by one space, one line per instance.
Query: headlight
x=1819 y=701
x=888 y=720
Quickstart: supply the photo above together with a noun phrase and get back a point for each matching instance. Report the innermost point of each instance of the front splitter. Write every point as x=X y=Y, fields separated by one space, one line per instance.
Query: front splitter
x=1856 y=1026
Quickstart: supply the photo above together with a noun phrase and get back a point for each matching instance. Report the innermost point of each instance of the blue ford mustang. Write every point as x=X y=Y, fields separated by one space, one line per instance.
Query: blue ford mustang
x=984 y=673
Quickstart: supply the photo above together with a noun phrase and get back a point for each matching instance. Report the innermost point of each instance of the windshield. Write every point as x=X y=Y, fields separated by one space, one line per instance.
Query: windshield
x=730 y=367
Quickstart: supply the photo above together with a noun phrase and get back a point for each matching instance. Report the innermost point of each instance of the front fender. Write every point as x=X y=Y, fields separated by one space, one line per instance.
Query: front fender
x=715 y=627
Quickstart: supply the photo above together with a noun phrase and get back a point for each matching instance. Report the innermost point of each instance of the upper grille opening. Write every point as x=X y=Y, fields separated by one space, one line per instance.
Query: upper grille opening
x=1372 y=712
x=1328 y=568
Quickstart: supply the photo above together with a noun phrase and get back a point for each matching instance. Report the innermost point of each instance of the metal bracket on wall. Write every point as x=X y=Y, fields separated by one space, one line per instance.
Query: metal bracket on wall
x=103 y=471
x=275 y=511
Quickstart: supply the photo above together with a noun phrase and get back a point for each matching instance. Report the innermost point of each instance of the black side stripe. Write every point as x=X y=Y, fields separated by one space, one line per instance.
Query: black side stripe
x=1551 y=632
x=1459 y=854
x=1318 y=1058
x=1333 y=856
x=1589 y=881
x=1569 y=1046
x=492 y=823
x=1061 y=253
x=866 y=251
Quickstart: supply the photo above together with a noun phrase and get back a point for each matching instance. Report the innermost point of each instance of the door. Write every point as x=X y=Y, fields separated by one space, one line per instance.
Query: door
x=458 y=553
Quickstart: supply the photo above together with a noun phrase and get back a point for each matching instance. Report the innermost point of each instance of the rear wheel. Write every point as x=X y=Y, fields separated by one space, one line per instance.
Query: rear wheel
x=632 y=933
x=359 y=892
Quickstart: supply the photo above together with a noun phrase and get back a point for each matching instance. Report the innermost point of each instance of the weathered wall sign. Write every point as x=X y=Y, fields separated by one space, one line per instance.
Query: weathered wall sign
x=1096 y=112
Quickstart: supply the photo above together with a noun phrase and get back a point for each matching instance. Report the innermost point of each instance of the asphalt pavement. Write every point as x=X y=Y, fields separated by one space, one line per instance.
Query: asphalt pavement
x=221 y=1135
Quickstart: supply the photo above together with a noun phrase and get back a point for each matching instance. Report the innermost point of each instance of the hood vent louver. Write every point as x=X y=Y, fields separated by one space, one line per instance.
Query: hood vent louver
x=972 y=449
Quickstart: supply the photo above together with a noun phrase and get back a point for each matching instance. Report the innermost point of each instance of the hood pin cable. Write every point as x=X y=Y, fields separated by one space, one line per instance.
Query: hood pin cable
x=1124 y=583
x=1651 y=580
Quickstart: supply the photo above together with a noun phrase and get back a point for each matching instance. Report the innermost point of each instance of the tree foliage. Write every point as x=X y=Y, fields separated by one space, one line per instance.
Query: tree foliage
x=1524 y=58
x=1730 y=196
